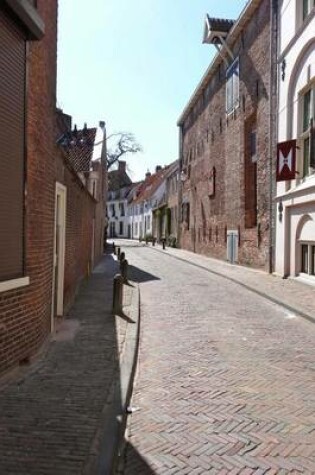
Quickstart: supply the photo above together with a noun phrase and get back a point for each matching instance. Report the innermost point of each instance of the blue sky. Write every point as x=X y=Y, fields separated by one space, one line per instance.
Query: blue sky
x=135 y=64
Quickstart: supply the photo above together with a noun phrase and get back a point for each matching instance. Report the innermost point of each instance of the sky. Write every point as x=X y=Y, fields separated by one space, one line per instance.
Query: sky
x=135 y=64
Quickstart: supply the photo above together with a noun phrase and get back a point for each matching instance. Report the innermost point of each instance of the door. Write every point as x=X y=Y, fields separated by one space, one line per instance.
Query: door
x=59 y=253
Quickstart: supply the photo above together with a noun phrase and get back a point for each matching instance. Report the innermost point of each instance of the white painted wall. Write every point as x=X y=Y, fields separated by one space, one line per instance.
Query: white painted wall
x=297 y=49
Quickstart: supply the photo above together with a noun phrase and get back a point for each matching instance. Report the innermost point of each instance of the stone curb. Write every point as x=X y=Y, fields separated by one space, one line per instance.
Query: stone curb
x=104 y=453
x=291 y=308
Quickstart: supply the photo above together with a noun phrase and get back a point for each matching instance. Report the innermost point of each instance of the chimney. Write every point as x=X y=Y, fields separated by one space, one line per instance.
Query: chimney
x=122 y=167
x=158 y=168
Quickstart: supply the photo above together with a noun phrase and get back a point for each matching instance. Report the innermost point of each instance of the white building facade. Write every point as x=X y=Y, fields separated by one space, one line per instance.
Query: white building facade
x=117 y=214
x=295 y=219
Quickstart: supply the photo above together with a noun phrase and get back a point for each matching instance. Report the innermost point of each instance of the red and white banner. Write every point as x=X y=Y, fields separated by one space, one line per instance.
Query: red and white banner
x=286 y=160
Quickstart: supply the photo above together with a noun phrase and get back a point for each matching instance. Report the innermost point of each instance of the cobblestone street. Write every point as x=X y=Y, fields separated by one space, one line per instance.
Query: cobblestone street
x=225 y=380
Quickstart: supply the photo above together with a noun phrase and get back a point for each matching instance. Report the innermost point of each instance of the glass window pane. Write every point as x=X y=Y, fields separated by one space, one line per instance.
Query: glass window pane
x=306 y=110
x=306 y=156
x=312 y=260
x=305 y=9
x=304 y=266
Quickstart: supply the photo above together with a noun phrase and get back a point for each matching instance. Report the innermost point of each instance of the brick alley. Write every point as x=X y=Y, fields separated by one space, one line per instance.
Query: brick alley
x=225 y=380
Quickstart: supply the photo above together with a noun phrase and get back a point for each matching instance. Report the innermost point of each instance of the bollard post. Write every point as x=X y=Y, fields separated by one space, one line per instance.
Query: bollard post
x=114 y=249
x=124 y=270
x=117 y=294
x=153 y=241
x=122 y=256
x=163 y=243
x=118 y=252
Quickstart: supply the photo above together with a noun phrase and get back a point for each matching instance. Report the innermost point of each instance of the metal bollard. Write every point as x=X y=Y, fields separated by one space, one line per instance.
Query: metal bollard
x=122 y=256
x=153 y=241
x=117 y=294
x=124 y=270
x=163 y=243
x=118 y=252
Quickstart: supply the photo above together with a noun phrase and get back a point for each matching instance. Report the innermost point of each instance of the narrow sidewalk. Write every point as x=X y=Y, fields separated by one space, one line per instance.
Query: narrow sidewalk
x=60 y=416
x=296 y=296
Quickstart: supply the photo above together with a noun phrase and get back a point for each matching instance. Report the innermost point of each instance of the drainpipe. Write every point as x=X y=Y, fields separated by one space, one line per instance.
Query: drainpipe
x=104 y=180
x=180 y=186
x=272 y=125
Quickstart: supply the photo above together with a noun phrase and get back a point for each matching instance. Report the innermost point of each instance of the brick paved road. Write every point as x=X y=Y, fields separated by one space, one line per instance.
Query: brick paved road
x=226 y=380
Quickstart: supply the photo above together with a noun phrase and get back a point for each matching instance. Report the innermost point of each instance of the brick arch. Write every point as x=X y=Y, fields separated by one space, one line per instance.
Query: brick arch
x=306 y=50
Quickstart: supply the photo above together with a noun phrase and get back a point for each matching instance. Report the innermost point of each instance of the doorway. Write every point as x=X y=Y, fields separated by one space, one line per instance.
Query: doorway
x=59 y=253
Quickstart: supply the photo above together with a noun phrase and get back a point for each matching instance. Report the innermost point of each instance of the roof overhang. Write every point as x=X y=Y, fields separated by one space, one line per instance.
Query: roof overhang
x=215 y=30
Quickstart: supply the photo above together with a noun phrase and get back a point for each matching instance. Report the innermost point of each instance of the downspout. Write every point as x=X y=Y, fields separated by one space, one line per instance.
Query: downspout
x=180 y=187
x=272 y=126
x=104 y=183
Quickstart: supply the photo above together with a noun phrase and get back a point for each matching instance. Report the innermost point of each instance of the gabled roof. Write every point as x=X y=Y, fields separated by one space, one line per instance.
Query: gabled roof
x=215 y=26
x=150 y=185
x=118 y=179
x=78 y=146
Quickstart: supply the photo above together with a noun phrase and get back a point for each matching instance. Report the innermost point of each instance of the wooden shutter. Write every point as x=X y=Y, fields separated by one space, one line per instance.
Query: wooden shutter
x=12 y=137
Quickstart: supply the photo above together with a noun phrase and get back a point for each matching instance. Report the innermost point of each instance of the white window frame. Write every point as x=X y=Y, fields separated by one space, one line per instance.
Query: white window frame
x=233 y=83
x=310 y=245
x=303 y=135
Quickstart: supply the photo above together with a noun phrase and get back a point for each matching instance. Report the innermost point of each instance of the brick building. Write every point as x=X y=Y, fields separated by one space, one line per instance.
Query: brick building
x=227 y=143
x=46 y=211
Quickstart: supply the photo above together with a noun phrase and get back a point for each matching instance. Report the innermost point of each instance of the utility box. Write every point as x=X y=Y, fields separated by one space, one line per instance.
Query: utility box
x=232 y=246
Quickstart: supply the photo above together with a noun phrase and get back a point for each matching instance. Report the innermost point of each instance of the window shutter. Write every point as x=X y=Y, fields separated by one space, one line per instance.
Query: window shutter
x=12 y=136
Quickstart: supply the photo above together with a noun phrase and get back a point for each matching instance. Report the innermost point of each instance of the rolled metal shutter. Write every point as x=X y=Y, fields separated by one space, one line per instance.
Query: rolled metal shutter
x=12 y=147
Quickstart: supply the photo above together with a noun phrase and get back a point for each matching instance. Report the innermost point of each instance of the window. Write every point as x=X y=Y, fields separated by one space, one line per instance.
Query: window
x=113 y=212
x=306 y=164
x=121 y=227
x=308 y=259
x=307 y=6
x=250 y=170
x=12 y=154
x=122 y=209
x=232 y=87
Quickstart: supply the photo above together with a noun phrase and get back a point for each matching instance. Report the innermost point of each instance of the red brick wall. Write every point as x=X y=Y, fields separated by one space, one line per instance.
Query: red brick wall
x=25 y=314
x=80 y=209
x=216 y=140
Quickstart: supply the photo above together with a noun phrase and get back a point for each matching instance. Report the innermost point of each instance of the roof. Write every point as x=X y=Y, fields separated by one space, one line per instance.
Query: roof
x=233 y=34
x=150 y=185
x=78 y=146
x=216 y=26
x=118 y=179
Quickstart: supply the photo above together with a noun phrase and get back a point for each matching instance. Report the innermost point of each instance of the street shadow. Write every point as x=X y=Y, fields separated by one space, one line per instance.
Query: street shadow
x=133 y=463
x=138 y=275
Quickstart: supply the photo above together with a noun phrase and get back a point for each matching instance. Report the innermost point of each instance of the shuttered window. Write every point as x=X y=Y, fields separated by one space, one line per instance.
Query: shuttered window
x=12 y=147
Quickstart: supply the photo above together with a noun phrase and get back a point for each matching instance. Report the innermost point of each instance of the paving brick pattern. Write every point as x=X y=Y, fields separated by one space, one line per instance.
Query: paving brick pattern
x=50 y=416
x=225 y=382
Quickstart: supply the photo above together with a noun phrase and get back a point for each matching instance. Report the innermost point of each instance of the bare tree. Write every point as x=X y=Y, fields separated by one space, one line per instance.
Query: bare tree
x=125 y=143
